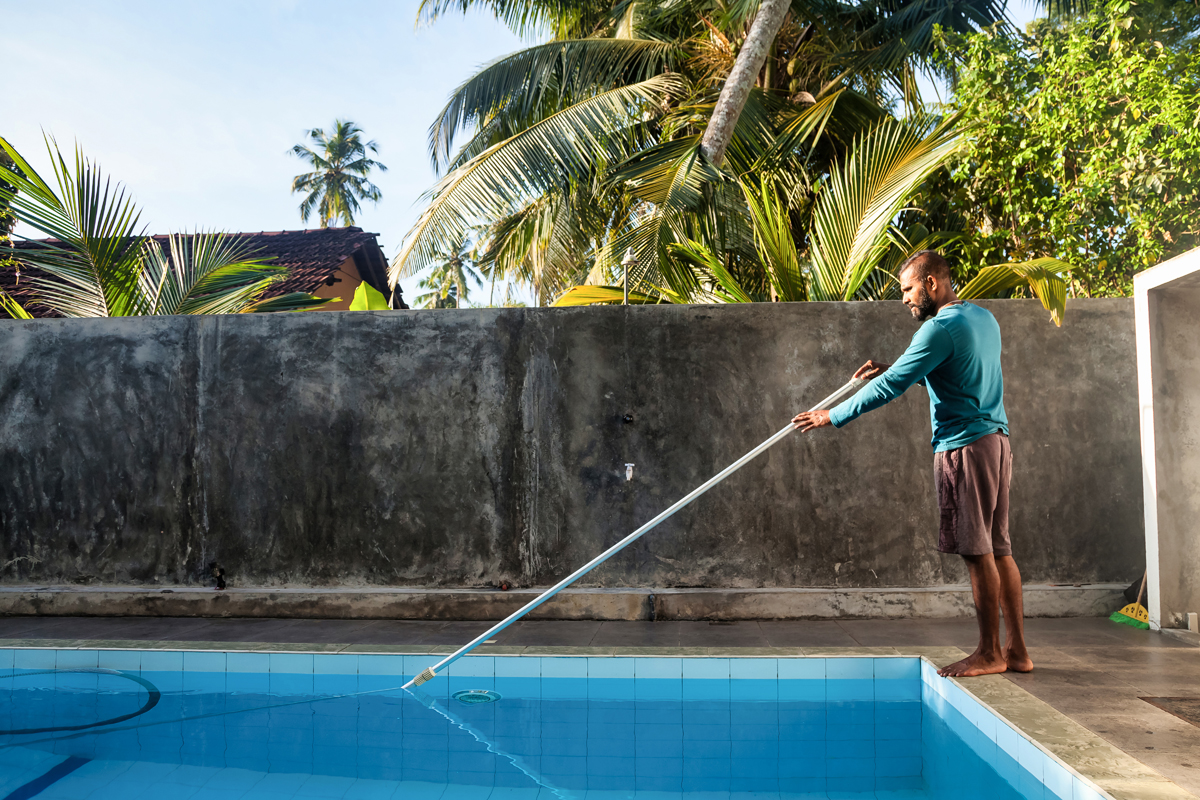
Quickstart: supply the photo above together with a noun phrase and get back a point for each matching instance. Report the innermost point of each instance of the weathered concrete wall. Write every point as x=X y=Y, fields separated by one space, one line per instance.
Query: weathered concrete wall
x=1176 y=370
x=460 y=448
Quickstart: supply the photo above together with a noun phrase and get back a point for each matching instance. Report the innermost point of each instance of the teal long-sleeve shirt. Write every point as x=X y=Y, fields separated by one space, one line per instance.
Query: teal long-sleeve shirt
x=956 y=354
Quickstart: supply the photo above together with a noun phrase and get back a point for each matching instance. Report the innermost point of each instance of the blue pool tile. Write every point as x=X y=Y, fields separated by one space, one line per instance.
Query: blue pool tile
x=658 y=668
x=908 y=669
x=801 y=689
x=705 y=689
x=257 y=663
x=888 y=689
x=518 y=667
x=565 y=689
x=473 y=667
x=754 y=669
x=804 y=788
x=1057 y=780
x=1031 y=759
x=754 y=733
x=389 y=665
x=1008 y=740
x=850 y=713
x=801 y=668
x=843 y=690
x=194 y=661
x=839 y=733
x=564 y=667
x=1083 y=791
x=363 y=789
x=291 y=663
x=333 y=664
x=76 y=659
x=658 y=689
x=412 y=665
x=898 y=767
x=124 y=660
x=288 y=683
x=706 y=668
x=656 y=735
x=907 y=747
x=162 y=661
x=657 y=783
x=519 y=688
x=610 y=688
x=610 y=668
x=760 y=691
x=324 y=786
x=850 y=668
x=34 y=659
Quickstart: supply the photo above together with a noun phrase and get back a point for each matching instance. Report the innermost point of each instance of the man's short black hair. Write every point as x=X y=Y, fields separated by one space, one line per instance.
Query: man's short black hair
x=926 y=263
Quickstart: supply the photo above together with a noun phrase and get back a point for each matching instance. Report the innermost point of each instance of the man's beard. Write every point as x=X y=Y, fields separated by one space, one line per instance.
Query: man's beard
x=924 y=307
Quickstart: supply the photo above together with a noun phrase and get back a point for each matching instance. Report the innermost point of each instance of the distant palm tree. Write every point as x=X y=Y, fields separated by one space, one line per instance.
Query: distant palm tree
x=449 y=282
x=340 y=171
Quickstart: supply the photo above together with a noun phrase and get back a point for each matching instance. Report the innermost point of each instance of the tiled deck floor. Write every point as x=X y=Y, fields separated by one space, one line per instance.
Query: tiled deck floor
x=1092 y=670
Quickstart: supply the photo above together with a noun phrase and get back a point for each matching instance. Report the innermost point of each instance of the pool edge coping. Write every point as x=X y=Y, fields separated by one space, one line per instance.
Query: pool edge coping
x=1119 y=775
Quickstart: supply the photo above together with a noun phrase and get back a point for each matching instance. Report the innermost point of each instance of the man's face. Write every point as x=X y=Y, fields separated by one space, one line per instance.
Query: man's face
x=916 y=295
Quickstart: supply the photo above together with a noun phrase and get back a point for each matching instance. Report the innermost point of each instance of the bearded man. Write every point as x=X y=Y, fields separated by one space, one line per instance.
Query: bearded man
x=955 y=355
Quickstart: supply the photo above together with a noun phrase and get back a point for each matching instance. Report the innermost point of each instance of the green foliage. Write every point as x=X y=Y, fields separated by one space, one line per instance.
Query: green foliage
x=104 y=266
x=580 y=148
x=448 y=284
x=1084 y=144
x=339 y=177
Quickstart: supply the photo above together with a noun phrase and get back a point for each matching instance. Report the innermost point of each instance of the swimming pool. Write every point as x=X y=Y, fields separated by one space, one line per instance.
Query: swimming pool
x=176 y=724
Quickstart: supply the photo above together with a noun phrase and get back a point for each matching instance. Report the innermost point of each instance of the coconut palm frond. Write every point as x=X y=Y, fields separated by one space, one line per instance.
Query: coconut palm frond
x=11 y=307
x=521 y=89
x=863 y=195
x=1043 y=276
x=97 y=225
x=566 y=145
x=773 y=237
x=563 y=18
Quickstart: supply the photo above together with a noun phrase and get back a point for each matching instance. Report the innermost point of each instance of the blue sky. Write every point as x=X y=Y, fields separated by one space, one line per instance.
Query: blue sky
x=193 y=106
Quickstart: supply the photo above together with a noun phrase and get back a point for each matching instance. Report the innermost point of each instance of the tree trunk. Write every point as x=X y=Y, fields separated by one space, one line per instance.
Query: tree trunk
x=742 y=78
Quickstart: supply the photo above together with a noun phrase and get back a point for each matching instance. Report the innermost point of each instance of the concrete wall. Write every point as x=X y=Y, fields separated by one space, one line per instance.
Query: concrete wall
x=460 y=448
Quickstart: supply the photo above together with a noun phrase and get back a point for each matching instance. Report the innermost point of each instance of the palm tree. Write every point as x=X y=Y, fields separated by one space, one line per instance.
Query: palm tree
x=340 y=171
x=101 y=264
x=448 y=284
x=625 y=131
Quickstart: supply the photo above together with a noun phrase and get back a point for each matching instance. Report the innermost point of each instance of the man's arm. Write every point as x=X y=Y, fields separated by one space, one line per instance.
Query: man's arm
x=808 y=420
x=929 y=348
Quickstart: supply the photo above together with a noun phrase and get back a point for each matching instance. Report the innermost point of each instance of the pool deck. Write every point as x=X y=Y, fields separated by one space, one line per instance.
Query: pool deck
x=1091 y=670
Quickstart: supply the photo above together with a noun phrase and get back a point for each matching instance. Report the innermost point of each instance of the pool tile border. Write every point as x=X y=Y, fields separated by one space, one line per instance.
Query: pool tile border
x=1039 y=728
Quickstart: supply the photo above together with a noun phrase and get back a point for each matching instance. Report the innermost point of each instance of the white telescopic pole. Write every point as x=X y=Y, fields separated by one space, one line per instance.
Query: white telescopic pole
x=851 y=386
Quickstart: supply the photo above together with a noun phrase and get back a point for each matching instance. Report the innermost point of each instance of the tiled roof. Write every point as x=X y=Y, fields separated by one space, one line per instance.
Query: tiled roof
x=311 y=256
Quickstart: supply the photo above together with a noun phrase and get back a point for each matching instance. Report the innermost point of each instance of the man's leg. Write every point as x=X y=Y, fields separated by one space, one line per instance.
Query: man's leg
x=988 y=657
x=1015 y=653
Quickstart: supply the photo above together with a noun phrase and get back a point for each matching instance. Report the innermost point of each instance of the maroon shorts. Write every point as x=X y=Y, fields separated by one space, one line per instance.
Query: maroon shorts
x=972 y=484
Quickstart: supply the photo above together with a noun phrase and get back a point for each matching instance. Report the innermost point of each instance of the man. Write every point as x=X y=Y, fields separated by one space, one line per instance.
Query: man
x=955 y=354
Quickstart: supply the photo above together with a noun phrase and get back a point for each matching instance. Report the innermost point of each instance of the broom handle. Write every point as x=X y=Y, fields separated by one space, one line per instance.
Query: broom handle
x=1143 y=586
x=850 y=387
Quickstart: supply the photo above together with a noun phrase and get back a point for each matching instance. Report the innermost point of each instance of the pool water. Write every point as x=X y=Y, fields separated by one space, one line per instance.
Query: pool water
x=155 y=724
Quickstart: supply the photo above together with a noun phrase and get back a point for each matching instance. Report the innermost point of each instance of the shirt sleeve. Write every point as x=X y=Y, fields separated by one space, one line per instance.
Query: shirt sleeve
x=930 y=347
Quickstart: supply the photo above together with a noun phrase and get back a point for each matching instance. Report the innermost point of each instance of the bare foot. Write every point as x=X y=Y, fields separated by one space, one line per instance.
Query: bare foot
x=1018 y=661
x=975 y=664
